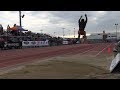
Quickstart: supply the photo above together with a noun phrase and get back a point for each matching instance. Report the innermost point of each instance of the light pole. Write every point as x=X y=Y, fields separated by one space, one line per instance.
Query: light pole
x=63 y=32
x=69 y=33
x=41 y=31
x=116 y=30
x=54 y=34
x=74 y=32
x=20 y=16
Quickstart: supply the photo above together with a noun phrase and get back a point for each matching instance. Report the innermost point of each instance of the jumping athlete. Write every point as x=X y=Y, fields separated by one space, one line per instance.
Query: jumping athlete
x=82 y=25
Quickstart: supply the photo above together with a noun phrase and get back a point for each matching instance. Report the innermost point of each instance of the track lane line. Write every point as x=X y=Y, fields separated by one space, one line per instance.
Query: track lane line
x=102 y=50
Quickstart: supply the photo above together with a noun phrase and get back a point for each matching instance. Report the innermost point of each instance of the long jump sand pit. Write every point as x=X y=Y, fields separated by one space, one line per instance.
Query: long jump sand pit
x=66 y=67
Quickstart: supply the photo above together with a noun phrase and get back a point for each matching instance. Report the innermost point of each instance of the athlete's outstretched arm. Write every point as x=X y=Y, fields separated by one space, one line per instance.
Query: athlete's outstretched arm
x=79 y=19
x=86 y=18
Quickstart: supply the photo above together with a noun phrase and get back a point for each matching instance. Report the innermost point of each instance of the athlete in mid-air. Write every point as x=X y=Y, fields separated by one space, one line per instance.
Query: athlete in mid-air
x=82 y=24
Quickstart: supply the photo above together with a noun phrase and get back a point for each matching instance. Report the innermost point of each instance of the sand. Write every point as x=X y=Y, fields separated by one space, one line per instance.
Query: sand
x=66 y=67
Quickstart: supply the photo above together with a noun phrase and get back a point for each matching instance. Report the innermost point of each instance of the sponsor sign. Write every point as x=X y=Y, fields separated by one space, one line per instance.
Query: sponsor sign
x=65 y=42
x=35 y=43
x=13 y=44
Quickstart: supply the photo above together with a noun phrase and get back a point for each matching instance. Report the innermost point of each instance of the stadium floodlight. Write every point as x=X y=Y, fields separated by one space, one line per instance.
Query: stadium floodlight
x=74 y=32
x=69 y=33
x=116 y=30
x=20 y=16
x=41 y=31
x=23 y=16
x=54 y=34
x=63 y=32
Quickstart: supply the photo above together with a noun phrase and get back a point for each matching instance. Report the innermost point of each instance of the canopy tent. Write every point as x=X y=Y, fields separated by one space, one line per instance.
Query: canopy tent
x=13 y=28
x=21 y=29
x=18 y=28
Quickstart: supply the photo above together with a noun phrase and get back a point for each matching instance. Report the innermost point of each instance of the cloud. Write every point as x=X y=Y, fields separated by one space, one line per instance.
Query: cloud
x=54 y=21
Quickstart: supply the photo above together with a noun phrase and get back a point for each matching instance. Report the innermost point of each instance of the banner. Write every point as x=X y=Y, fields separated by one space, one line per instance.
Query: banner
x=26 y=43
x=65 y=42
x=35 y=43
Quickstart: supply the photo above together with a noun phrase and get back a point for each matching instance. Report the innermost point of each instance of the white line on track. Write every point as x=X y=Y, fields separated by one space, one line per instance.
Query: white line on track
x=88 y=50
x=102 y=50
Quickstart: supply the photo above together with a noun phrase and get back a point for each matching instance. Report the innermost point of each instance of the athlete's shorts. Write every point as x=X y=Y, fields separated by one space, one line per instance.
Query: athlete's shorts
x=81 y=32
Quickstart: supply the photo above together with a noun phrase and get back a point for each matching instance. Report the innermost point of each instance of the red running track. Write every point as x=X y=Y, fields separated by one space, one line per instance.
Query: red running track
x=17 y=56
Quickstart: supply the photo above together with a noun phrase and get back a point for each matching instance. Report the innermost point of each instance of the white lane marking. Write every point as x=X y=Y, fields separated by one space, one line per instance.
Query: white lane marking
x=102 y=50
x=88 y=50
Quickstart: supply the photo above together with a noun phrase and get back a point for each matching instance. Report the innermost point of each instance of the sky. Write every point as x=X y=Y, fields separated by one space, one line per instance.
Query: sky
x=53 y=22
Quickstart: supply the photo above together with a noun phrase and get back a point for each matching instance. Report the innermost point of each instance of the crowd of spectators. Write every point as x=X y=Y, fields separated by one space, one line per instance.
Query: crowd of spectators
x=15 y=34
x=27 y=35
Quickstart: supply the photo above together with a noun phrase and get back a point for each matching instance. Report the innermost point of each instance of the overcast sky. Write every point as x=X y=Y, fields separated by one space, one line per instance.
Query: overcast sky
x=54 y=21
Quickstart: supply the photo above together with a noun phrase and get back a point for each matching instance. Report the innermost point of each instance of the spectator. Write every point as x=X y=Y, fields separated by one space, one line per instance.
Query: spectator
x=2 y=42
x=1 y=29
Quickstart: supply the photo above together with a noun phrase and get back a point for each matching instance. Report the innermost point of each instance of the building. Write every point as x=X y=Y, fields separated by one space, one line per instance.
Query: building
x=98 y=37
x=111 y=35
